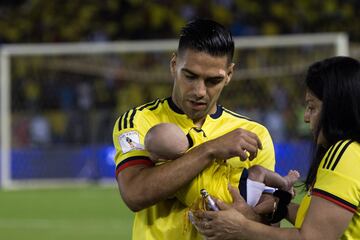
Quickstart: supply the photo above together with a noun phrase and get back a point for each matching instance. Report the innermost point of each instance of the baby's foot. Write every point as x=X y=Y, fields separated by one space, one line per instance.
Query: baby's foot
x=291 y=178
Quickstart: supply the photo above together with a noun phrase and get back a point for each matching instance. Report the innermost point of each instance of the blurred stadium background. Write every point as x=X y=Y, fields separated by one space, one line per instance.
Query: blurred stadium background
x=70 y=68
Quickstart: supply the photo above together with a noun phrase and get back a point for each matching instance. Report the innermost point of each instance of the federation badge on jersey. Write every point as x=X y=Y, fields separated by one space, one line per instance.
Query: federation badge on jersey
x=130 y=141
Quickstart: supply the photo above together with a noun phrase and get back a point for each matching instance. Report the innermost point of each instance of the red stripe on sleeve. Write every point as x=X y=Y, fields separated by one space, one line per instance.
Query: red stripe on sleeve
x=337 y=202
x=134 y=162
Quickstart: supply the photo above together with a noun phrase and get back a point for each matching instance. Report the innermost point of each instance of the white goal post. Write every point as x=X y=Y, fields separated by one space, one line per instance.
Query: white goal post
x=338 y=40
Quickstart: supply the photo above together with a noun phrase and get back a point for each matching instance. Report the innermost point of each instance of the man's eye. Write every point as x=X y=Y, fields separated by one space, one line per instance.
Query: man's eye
x=214 y=81
x=191 y=77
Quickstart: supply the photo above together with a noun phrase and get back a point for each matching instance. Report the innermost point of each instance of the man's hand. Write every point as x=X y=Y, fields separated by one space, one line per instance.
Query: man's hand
x=238 y=142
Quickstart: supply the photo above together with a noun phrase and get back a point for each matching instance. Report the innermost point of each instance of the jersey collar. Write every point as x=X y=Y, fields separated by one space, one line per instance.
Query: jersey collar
x=172 y=105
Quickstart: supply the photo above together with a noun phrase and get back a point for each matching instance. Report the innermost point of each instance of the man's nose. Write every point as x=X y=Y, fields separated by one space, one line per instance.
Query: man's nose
x=200 y=89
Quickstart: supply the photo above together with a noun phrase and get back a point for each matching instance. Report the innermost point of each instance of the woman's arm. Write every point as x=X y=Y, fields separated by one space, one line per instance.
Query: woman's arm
x=324 y=220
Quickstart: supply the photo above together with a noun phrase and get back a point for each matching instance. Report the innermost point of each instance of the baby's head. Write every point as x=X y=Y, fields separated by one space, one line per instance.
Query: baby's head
x=165 y=141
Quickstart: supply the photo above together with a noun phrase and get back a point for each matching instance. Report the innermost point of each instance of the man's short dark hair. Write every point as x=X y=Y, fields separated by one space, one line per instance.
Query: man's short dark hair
x=207 y=36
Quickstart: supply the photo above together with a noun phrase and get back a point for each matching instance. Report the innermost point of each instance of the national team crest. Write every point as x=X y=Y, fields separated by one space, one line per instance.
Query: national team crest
x=130 y=141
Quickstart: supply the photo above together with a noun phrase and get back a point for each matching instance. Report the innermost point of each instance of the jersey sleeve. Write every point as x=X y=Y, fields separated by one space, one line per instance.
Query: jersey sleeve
x=338 y=178
x=128 y=139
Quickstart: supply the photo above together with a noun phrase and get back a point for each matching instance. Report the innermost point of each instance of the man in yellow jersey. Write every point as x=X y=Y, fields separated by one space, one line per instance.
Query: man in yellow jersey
x=201 y=68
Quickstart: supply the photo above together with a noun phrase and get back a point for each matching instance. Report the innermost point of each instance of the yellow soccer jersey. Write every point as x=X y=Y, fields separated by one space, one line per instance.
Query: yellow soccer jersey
x=213 y=179
x=338 y=181
x=167 y=219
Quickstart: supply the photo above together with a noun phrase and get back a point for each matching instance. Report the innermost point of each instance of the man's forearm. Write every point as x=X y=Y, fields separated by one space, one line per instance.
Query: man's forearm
x=142 y=186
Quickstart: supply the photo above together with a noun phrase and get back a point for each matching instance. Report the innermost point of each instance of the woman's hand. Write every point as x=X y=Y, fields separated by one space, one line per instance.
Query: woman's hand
x=241 y=205
x=224 y=224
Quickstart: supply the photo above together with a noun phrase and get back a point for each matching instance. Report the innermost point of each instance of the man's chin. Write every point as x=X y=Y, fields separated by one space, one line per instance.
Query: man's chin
x=197 y=116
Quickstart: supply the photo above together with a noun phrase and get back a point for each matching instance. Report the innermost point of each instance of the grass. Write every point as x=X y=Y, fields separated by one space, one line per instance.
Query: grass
x=86 y=213
x=64 y=214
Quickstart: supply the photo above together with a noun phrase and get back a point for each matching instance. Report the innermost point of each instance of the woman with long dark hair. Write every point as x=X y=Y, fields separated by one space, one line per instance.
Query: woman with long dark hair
x=330 y=209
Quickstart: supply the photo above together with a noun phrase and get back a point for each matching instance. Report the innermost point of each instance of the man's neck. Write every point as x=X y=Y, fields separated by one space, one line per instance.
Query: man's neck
x=199 y=123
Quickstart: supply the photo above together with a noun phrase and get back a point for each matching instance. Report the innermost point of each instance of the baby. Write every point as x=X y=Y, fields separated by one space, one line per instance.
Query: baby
x=166 y=141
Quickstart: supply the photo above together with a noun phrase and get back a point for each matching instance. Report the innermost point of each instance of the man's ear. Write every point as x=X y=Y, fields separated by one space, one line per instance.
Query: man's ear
x=229 y=74
x=173 y=64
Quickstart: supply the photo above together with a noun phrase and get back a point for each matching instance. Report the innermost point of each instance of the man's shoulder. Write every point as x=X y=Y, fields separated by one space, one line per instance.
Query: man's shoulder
x=147 y=108
x=234 y=115
x=138 y=116
x=244 y=121
x=152 y=105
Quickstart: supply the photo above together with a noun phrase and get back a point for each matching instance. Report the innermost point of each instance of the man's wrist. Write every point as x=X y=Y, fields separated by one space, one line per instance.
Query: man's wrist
x=208 y=149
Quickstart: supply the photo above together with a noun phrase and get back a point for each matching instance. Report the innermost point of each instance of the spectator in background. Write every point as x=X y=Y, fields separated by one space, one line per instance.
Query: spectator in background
x=84 y=96
x=32 y=93
x=274 y=117
x=330 y=209
x=40 y=130
x=79 y=122
x=67 y=94
x=105 y=103
x=20 y=126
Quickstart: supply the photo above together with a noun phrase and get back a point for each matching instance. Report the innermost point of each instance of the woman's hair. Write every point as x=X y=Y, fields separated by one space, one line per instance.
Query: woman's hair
x=336 y=82
x=207 y=36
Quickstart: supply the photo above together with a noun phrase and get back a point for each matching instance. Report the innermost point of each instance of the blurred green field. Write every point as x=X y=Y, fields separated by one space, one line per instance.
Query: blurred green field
x=86 y=213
